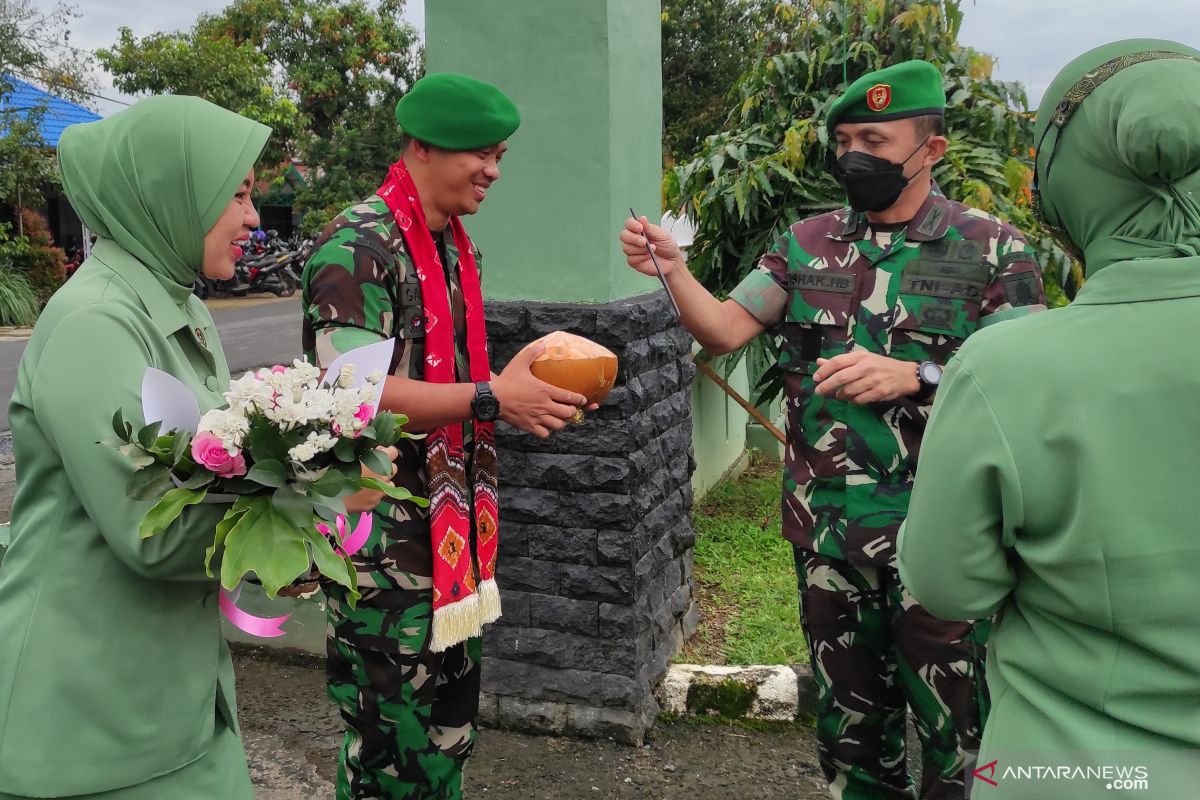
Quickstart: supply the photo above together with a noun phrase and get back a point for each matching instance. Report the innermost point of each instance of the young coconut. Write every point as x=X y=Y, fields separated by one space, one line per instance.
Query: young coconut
x=577 y=364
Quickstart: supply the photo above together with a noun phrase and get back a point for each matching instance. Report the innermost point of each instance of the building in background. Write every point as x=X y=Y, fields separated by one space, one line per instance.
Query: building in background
x=53 y=115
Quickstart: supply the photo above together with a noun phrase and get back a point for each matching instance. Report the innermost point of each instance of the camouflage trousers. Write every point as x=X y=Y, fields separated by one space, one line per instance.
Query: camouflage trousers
x=875 y=654
x=410 y=713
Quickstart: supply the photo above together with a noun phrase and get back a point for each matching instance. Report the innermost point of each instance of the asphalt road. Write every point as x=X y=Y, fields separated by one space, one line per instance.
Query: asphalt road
x=253 y=332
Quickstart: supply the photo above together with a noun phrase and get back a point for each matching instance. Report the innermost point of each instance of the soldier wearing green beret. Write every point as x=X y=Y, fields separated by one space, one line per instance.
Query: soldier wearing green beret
x=404 y=663
x=871 y=301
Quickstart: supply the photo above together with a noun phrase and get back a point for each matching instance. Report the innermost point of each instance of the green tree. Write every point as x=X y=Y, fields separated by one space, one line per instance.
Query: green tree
x=769 y=167
x=341 y=64
x=232 y=75
x=706 y=46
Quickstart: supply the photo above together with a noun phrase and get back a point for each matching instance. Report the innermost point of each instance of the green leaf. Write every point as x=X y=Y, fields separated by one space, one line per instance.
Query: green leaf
x=265 y=443
x=385 y=429
x=136 y=455
x=227 y=523
x=181 y=447
x=784 y=171
x=148 y=436
x=149 y=483
x=168 y=510
x=199 y=479
x=739 y=196
x=333 y=566
x=346 y=450
x=330 y=484
x=122 y=428
x=377 y=462
x=717 y=161
x=296 y=507
x=391 y=490
x=328 y=508
x=266 y=543
x=268 y=473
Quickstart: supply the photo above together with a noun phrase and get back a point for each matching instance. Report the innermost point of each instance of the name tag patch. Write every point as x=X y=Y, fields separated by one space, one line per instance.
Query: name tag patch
x=952 y=288
x=821 y=280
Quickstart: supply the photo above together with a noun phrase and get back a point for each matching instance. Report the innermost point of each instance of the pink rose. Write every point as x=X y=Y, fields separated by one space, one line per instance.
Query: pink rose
x=365 y=413
x=210 y=453
x=278 y=370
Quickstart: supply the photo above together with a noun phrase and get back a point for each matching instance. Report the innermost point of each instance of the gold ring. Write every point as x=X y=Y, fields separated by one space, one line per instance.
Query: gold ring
x=577 y=417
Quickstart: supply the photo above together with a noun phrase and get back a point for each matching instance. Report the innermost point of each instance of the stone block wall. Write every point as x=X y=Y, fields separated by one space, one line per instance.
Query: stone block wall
x=596 y=569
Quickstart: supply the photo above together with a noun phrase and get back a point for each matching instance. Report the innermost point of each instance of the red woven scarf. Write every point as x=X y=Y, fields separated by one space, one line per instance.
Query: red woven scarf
x=460 y=607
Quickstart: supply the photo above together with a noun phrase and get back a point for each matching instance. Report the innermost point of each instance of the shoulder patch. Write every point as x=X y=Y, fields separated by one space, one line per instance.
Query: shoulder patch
x=1021 y=289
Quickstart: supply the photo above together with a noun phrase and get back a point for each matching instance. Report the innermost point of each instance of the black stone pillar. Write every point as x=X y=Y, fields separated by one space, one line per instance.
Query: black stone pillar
x=596 y=569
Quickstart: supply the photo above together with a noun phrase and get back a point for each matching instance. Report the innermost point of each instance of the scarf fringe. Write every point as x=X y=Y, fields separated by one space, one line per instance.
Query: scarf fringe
x=489 y=601
x=455 y=623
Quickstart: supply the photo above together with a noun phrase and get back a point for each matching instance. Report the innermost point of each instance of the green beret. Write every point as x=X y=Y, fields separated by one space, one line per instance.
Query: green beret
x=456 y=112
x=911 y=89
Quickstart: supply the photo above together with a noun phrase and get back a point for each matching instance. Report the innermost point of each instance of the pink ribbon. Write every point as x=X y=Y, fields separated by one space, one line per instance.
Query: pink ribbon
x=354 y=541
x=264 y=627
x=269 y=627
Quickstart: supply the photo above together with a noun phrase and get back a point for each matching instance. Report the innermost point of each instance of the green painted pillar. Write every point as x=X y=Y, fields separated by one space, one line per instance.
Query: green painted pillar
x=596 y=570
x=587 y=77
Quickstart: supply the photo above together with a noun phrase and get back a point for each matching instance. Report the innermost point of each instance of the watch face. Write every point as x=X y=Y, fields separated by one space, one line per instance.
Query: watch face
x=487 y=408
x=931 y=373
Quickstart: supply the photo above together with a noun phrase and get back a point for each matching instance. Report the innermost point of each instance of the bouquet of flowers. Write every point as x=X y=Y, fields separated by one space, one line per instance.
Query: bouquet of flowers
x=285 y=451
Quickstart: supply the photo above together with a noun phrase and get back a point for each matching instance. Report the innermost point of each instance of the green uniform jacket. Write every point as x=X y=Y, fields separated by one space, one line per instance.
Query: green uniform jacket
x=834 y=284
x=113 y=666
x=1058 y=486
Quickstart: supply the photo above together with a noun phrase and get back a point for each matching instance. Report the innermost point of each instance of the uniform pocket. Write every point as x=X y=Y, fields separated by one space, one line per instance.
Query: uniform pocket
x=941 y=296
x=817 y=323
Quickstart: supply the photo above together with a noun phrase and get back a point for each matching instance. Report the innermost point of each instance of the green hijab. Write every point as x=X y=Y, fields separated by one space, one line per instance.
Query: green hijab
x=1118 y=163
x=154 y=178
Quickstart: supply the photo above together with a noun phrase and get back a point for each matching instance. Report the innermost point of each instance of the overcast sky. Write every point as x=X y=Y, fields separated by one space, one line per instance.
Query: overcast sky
x=1032 y=39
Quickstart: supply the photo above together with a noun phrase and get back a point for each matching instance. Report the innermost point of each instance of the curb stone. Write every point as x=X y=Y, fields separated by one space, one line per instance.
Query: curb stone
x=768 y=693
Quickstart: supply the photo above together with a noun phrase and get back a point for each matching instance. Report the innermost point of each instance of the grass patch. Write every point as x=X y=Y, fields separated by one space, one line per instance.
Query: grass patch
x=745 y=576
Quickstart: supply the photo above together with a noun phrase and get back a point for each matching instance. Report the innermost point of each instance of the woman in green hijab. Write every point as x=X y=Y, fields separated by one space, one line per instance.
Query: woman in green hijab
x=115 y=681
x=1058 y=478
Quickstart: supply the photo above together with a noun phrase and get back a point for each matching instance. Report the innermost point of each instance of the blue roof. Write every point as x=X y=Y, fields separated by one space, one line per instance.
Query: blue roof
x=59 y=113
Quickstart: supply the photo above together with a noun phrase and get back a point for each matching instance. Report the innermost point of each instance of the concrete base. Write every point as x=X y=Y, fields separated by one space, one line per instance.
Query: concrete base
x=773 y=693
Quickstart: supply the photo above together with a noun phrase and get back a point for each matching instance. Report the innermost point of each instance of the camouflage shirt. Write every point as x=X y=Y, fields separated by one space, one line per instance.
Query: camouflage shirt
x=360 y=288
x=835 y=283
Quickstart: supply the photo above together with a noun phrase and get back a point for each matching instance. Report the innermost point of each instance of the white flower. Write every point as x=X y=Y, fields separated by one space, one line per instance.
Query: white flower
x=318 y=404
x=376 y=377
x=346 y=377
x=303 y=452
x=284 y=413
x=230 y=427
x=281 y=382
x=249 y=393
x=306 y=373
x=345 y=406
x=322 y=442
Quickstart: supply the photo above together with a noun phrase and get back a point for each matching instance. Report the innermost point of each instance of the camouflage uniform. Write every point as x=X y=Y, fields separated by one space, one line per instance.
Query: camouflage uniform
x=410 y=713
x=830 y=285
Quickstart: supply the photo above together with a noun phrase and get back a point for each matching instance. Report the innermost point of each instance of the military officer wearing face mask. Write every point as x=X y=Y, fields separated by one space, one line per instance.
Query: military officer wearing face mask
x=871 y=301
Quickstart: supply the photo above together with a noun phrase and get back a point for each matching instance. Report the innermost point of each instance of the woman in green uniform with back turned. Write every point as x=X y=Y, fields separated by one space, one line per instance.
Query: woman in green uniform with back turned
x=115 y=681
x=1058 y=477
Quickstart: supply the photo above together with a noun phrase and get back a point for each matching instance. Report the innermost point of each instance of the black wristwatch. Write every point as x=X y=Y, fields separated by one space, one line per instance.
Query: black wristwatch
x=485 y=407
x=929 y=375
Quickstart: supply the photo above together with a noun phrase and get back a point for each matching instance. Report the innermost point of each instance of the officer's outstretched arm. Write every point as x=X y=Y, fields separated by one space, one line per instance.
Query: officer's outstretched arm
x=720 y=327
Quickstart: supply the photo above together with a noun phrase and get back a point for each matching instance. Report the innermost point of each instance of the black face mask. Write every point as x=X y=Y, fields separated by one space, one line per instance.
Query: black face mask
x=872 y=183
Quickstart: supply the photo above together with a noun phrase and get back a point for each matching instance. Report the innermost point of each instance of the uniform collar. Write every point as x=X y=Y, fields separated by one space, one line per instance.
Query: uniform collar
x=1142 y=280
x=930 y=223
x=168 y=316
